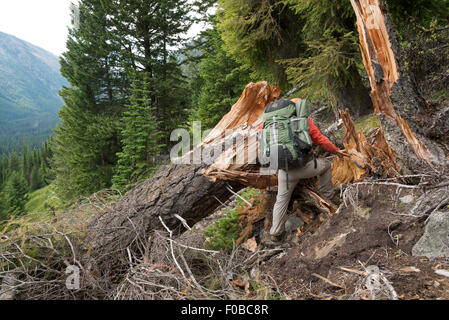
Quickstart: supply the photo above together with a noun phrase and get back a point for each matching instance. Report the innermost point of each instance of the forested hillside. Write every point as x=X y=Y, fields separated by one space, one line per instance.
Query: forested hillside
x=21 y=174
x=29 y=84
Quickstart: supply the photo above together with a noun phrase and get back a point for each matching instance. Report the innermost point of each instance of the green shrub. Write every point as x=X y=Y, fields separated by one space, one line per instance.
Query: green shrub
x=222 y=234
x=426 y=55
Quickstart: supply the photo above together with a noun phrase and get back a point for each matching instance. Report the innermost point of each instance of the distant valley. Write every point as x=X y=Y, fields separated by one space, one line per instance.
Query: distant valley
x=29 y=100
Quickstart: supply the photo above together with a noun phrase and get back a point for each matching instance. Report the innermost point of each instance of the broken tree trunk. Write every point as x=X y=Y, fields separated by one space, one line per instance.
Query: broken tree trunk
x=401 y=110
x=399 y=147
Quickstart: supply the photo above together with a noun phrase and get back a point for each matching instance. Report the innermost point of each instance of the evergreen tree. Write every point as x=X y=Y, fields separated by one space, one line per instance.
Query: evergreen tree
x=87 y=140
x=114 y=40
x=423 y=11
x=140 y=137
x=330 y=67
x=26 y=162
x=221 y=81
x=147 y=32
x=258 y=33
x=44 y=175
x=35 y=179
x=15 y=195
x=309 y=44
x=4 y=164
x=174 y=101
x=14 y=163
x=3 y=214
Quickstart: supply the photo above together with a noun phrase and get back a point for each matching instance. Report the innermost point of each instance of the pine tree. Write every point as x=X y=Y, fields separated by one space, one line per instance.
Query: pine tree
x=258 y=33
x=26 y=162
x=15 y=195
x=20 y=174
x=115 y=39
x=3 y=214
x=329 y=67
x=35 y=179
x=14 y=163
x=221 y=80
x=140 y=137
x=173 y=100
x=4 y=164
x=87 y=140
x=423 y=11
x=44 y=174
x=146 y=31
x=311 y=44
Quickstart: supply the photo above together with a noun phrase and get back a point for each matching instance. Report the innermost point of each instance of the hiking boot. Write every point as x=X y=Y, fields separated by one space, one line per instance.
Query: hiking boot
x=271 y=241
x=278 y=238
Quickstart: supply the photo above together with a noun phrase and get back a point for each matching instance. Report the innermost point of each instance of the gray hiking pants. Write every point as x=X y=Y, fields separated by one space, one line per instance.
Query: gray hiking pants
x=324 y=173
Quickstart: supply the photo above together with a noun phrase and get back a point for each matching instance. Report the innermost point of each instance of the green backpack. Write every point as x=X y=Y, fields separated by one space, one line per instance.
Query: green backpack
x=285 y=135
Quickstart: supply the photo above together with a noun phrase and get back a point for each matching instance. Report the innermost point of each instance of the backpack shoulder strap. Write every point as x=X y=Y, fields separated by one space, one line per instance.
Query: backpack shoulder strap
x=298 y=107
x=301 y=109
x=302 y=112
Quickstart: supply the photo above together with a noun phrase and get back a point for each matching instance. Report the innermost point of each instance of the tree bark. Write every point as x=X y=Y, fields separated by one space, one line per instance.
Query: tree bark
x=175 y=190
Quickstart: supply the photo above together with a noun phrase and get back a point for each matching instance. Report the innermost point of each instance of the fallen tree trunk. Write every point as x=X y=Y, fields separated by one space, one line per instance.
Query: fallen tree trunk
x=180 y=195
x=177 y=192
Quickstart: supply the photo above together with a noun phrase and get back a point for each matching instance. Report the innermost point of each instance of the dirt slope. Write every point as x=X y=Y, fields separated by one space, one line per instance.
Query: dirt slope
x=377 y=230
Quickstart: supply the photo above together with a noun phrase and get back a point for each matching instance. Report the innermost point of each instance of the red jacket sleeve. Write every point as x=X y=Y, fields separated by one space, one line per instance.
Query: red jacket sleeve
x=321 y=140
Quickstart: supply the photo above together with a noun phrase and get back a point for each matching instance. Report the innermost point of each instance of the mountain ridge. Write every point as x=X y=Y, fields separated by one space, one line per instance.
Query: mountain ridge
x=29 y=100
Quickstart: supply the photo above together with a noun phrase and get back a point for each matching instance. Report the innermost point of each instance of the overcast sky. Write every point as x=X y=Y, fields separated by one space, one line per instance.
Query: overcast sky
x=43 y=23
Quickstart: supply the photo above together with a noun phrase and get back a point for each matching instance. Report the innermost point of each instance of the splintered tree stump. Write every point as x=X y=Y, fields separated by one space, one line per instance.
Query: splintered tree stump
x=368 y=156
x=400 y=108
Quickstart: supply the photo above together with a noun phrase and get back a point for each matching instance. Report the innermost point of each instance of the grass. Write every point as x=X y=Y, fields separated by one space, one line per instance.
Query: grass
x=28 y=237
x=366 y=123
x=39 y=200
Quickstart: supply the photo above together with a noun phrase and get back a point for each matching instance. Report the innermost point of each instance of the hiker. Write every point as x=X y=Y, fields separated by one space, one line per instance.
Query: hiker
x=282 y=114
